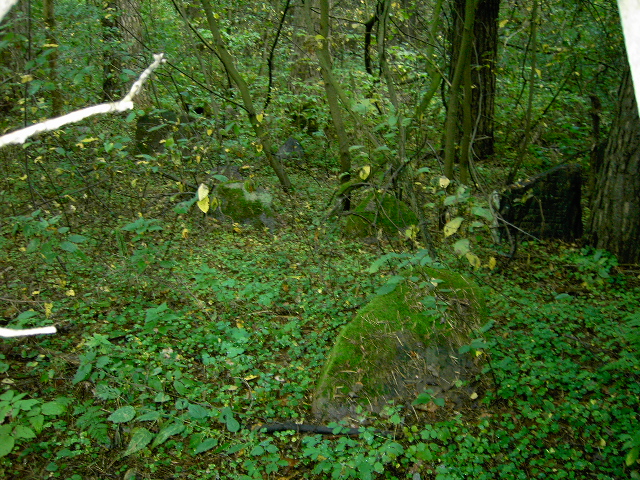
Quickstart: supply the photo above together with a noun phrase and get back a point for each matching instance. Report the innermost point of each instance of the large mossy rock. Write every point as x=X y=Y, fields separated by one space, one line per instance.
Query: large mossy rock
x=403 y=343
x=379 y=211
x=240 y=202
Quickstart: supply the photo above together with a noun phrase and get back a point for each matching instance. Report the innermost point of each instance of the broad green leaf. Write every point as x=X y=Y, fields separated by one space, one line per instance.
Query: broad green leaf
x=6 y=445
x=76 y=238
x=161 y=397
x=140 y=439
x=123 y=414
x=198 y=412
x=8 y=395
x=450 y=200
x=167 y=432
x=82 y=373
x=391 y=285
x=26 y=405
x=68 y=247
x=180 y=388
x=632 y=456
x=37 y=422
x=53 y=408
x=21 y=431
x=151 y=416
x=452 y=226
x=482 y=212
x=226 y=416
x=205 y=445
x=461 y=247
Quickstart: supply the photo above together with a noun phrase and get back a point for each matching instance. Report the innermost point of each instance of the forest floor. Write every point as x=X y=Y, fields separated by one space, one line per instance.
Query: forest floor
x=178 y=336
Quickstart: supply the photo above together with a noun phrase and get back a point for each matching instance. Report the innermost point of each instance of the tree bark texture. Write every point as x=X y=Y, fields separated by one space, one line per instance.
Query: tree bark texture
x=615 y=208
x=484 y=53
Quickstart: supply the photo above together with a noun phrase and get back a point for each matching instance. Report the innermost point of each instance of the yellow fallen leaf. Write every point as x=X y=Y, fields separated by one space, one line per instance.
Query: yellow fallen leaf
x=444 y=182
x=364 y=172
x=70 y=293
x=47 y=309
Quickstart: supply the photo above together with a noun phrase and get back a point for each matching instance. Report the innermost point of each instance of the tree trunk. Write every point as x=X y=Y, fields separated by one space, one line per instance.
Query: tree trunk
x=484 y=52
x=331 y=90
x=52 y=59
x=483 y=77
x=247 y=99
x=112 y=66
x=451 y=122
x=615 y=208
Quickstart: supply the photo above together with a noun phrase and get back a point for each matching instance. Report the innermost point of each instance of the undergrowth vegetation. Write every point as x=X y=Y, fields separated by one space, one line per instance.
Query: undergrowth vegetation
x=179 y=338
x=180 y=334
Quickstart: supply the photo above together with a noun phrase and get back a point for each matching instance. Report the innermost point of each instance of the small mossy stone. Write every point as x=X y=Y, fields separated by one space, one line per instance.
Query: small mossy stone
x=245 y=204
x=402 y=343
x=379 y=211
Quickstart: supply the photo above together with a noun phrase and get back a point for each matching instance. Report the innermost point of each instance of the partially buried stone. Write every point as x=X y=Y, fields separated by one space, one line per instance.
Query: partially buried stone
x=291 y=149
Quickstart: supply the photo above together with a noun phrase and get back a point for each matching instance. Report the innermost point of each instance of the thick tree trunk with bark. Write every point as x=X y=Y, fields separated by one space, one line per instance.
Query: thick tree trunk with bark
x=615 y=218
x=484 y=52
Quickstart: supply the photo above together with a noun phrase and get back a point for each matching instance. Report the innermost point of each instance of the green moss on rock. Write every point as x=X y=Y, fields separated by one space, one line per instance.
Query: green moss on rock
x=379 y=211
x=245 y=205
x=402 y=342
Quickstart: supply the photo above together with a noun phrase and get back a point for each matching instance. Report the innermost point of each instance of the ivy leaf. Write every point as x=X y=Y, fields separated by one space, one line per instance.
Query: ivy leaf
x=197 y=412
x=167 y=432
x=205 y=445
x=226 y=416
x=140 y=439
x=123 y=414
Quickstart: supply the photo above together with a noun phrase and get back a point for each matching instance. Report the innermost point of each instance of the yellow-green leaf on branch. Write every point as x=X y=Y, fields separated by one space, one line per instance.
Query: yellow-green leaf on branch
x=474 y=260
x=203 y=192
x=364 y=172
x=452 y=226
x=204 y=204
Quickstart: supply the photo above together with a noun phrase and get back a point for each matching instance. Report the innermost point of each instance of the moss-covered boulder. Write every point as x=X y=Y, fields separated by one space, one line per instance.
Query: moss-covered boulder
x=241 y=202
x=403 y=343
x=379 y=211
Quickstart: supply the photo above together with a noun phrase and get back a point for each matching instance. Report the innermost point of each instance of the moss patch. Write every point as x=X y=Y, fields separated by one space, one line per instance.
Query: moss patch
x=402 y=343
x=379 y=211
x=242 y=205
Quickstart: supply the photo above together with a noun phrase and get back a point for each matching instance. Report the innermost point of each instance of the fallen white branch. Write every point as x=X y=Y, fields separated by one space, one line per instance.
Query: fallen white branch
x=8 y=332
x=5 y=6
x=20 y=136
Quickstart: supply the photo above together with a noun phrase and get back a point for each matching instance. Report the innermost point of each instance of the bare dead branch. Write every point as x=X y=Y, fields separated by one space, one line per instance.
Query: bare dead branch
x=20 y=136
